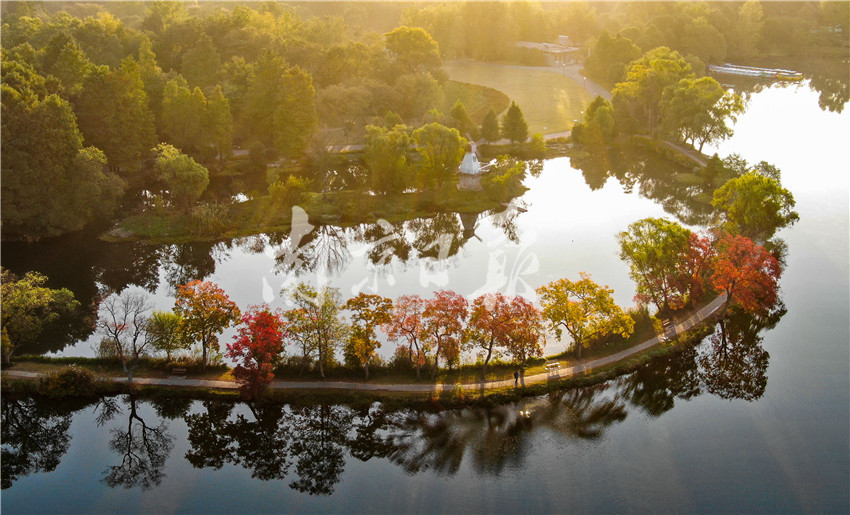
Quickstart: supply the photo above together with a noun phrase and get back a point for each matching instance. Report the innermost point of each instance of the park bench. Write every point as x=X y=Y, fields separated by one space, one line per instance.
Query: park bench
x=178 y=371
x=553 y=366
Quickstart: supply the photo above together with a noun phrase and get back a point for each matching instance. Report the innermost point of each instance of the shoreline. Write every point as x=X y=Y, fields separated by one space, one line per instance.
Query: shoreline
x=581 y=374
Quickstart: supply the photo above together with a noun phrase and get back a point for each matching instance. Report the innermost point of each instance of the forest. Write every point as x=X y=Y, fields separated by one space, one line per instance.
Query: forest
x=137 y=106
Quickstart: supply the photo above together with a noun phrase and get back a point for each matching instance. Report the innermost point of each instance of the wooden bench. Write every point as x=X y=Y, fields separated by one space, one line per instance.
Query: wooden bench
x=552 y=366
x=178 y=371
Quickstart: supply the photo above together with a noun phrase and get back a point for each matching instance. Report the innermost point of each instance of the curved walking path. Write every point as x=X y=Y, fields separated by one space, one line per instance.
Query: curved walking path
x=554 y=375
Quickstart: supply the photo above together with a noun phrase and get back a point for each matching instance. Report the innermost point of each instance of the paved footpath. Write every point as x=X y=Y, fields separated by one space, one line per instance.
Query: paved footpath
x=554 y=375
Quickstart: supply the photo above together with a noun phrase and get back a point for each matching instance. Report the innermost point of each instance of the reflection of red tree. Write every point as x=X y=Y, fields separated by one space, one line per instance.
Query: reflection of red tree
x=747 y=273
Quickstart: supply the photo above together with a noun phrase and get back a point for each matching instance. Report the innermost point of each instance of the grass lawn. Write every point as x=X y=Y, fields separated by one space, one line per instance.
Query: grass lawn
x=550 y=101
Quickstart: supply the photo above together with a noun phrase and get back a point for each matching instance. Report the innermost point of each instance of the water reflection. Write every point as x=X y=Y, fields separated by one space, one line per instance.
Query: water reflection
x=143 y=448
x=35 y=437
x=308 y=447
x=676 y=188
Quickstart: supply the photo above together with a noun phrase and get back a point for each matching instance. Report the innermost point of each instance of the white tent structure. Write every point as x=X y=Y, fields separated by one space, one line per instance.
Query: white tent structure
x=470 y=170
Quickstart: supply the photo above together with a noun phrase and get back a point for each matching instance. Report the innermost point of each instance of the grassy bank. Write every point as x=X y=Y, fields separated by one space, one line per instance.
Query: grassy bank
x=343 y=208
x=550 y=102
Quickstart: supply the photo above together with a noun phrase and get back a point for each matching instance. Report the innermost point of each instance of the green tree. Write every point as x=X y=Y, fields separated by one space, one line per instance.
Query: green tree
x=413 y=48
x=697 y=110
x=295 y=118
x=585 y=309
x=655 y=248
x=318 y=321
x=755 y=206
x=490 y=126
x=598 y=125
x=461 y=120
x=185 y=179
x=29 y=308
x=416 y=94
x=113 y=114
x=184 y=115
x=702 y=39
x=386 y=157
x=513 y=124
x=51 y=184
x=218 y=122
x=441 y=149
x=609 y=57
x=201 y=63
x=637 y=100
x=165 y=334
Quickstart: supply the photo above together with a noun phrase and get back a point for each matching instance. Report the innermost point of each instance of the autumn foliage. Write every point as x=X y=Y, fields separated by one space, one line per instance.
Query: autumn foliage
x=257 y=348
x=443 y=322
x=747 y=273
x=368 y=313
x=206 y=310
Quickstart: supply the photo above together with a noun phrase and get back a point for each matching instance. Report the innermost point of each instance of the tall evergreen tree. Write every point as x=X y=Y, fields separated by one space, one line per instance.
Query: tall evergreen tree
x=490 y=126
x=513 y=124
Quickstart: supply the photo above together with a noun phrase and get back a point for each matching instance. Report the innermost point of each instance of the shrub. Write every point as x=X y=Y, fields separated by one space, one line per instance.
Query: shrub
x=209 y=219
x=505 y=181
x=71 y=381
x=288 y=193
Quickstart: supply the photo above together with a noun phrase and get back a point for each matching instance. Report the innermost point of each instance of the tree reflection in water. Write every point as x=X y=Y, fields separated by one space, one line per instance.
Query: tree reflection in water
x=735 y=364
x=308 y=446
x=682 y=194
x=35 y=437
x=144 y=449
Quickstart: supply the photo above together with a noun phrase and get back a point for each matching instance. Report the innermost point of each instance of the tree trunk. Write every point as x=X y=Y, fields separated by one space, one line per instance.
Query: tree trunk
x=486 y=362
x=204 y=361
x=366 y=369
x=578 y=349
x=321 y=363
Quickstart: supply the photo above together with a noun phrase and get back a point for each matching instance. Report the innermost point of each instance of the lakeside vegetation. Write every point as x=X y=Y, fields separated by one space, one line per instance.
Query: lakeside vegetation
x=287 y=103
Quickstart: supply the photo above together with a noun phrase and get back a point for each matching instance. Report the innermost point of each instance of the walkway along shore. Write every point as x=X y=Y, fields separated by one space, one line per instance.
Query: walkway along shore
x=553 y=375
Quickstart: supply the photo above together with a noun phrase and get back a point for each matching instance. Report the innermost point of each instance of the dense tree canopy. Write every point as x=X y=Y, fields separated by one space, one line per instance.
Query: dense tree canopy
x=206 y=310
x=755 y=206
x=697 y=110
x=585 y=309
x=442 y=149
x=51 y=183
x=637 y=100
x=185 y=179
x=655 y=249
x=28 y=308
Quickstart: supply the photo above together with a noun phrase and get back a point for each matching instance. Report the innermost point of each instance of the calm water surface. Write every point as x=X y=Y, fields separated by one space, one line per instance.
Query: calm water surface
x=764 y=430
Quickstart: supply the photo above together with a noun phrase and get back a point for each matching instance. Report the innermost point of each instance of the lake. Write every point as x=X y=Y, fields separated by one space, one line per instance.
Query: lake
x=765 y=430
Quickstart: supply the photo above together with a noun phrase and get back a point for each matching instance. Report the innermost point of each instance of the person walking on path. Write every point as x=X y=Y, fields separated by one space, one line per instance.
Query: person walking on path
x=516 y=378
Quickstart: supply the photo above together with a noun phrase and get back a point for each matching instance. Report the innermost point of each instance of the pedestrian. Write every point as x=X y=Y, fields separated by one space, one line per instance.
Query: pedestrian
x=516 y=377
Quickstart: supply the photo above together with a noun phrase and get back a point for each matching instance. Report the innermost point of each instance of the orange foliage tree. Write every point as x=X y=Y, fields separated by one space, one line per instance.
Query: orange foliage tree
x=747 y=273
x=206 y=311
x=443 y=319
x=406 y=326
x=527 y=334
x=491 y=322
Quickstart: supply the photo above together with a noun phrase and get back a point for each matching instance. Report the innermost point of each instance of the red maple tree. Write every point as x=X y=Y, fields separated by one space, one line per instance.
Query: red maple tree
x=747 y=273
x=257 y=347
x=406 y=326
x=490 y=325
x=443 y=319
